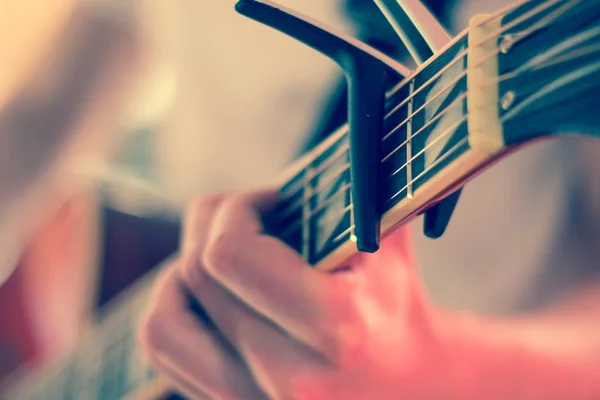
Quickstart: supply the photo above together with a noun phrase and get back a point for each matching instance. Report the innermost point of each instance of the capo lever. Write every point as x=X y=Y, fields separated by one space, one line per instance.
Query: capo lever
x=364 y=68
x=438 y=216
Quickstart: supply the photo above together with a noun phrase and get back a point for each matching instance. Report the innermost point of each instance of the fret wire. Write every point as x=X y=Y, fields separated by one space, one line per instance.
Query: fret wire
x=409 y=142
x=461 y=55
x=433 y=164
x=443 y=135
x=439 y=115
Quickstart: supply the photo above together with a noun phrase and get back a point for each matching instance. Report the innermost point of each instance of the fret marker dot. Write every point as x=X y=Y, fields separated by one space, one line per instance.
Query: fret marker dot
x=353 y=238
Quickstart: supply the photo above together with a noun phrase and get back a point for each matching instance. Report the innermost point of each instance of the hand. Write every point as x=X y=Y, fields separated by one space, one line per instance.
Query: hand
x=287 y=331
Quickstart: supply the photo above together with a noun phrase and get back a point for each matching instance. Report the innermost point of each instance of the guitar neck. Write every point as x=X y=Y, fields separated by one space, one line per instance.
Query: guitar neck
x=472 y=104
x=443 y=124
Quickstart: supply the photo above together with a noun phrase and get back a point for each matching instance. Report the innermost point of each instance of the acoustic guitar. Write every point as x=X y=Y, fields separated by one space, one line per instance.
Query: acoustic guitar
x=529 y=72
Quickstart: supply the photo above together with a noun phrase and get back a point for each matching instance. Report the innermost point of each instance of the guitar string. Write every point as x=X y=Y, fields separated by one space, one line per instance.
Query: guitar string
x=484 y=22
x=297 y=190
x=455 y=125
x=459 y=57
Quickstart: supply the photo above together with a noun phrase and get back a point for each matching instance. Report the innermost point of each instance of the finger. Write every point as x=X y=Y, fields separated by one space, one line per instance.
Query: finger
x=174 y=337
x=253 y=277
x=273 y=357
x=318 y=309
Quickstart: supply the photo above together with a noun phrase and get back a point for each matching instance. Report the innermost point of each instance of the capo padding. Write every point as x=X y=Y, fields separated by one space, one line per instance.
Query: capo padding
x=364 y=67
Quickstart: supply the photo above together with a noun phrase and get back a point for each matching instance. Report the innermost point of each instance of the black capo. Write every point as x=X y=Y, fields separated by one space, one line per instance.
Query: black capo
x=365 y=69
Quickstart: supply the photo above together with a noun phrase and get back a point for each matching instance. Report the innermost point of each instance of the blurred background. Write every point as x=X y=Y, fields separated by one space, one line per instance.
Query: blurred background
x=115 y=114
